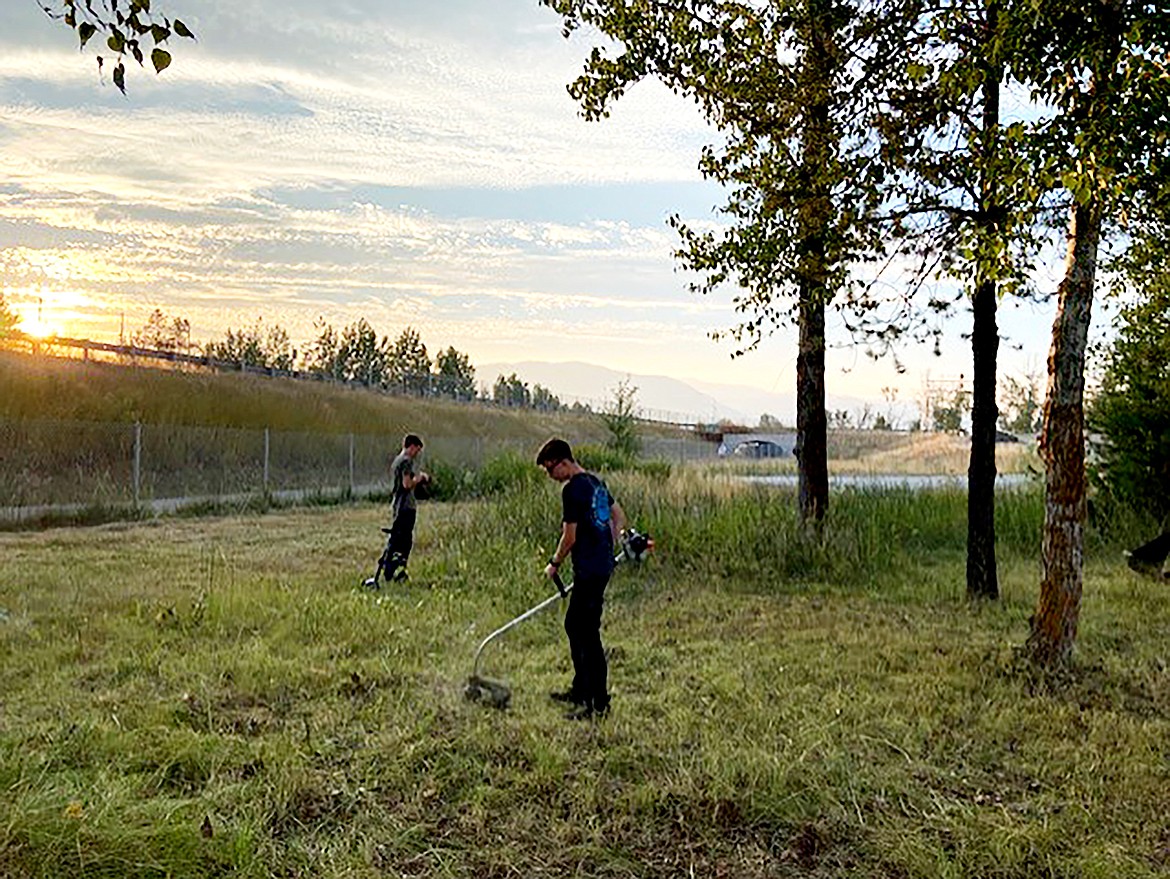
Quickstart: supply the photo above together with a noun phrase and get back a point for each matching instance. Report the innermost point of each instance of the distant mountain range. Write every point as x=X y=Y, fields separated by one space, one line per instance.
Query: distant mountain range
x=659 y=396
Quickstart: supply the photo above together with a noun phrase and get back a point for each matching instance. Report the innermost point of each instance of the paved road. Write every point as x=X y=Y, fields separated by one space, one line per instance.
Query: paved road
x=160 y=506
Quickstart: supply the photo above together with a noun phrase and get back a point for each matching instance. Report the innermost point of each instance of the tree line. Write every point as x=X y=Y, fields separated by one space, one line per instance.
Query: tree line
x=355 y=354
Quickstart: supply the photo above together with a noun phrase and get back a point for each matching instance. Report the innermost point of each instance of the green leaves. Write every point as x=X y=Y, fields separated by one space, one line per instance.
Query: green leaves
x=123 y=23
x=917 y=72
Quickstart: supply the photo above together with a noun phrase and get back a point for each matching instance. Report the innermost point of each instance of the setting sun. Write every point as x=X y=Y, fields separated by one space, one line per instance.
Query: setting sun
x=31 y=325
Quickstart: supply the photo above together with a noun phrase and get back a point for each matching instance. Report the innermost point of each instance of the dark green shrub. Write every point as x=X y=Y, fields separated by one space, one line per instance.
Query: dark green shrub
x=506 y=471
x=602 y=459
x=654 y=469
x=450 y=482
x=1131 y=411
x=622 y=420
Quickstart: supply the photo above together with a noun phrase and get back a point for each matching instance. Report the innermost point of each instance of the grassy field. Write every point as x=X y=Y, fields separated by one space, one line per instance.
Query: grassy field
x=213 y=697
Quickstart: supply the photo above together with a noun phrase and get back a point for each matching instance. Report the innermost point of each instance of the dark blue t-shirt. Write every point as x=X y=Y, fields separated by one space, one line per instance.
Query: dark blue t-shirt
x=588 y=504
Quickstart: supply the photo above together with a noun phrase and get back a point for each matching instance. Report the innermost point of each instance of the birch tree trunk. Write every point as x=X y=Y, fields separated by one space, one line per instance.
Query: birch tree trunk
x=1062 y=445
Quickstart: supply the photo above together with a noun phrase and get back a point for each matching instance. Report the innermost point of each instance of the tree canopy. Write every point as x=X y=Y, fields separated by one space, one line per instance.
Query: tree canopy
x=163 y=333
x=454 y=375
x=257 y=345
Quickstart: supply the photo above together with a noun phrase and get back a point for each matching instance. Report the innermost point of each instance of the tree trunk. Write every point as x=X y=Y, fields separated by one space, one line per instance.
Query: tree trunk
x=1062 y=444
x=811 y=423
x=813 y=220
x=982 y=581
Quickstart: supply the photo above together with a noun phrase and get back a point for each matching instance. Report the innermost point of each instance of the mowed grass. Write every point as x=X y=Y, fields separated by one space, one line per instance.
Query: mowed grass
x=214 y=697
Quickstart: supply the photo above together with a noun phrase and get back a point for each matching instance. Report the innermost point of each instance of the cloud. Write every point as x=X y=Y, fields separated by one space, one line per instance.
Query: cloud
x=364 y=158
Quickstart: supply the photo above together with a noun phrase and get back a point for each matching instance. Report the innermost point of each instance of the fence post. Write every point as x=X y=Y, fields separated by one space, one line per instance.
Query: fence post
x=137 y=462
x=266 y=446
x=351 y=485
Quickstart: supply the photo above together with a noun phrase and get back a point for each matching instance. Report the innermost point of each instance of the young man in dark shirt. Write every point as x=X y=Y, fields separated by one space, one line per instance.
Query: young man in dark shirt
x=404 y=478
x=591 y=523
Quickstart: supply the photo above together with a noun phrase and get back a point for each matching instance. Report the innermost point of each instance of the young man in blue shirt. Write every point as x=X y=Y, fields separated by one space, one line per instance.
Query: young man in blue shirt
x=590 y=525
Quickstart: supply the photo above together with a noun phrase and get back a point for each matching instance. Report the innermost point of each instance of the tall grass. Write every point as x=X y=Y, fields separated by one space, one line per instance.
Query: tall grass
x=722 y=528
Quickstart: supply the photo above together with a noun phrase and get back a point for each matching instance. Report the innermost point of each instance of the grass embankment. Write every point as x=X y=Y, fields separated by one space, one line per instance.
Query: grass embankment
x=898 y=452
x=58 y=389
x=202 y=698
x=926 y=453
x=67 y=435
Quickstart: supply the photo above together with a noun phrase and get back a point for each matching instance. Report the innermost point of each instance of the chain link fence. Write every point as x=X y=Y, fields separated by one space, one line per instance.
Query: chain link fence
x=48 y=466
x=680 y=449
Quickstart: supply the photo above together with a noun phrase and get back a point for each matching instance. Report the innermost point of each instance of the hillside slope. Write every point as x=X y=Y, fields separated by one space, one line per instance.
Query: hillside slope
x=58 y=389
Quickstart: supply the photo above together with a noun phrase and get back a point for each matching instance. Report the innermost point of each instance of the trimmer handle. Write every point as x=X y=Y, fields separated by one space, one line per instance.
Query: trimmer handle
x=560 y=584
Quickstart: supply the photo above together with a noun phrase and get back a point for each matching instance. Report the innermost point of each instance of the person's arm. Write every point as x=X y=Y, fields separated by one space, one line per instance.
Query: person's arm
x=409 y=480
x=564 y=547
x=617 y=522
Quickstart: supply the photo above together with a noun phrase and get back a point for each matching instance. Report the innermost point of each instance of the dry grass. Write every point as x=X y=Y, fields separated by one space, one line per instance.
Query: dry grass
x=935 y=453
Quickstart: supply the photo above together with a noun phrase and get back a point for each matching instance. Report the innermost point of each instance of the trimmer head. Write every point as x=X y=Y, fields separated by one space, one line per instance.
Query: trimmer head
x=636 y=546
x=494 y=694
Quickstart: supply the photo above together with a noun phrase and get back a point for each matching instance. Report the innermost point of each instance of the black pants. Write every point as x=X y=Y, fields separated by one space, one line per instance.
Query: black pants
x=400 y=542
x=583 y=626
x=1153 y=553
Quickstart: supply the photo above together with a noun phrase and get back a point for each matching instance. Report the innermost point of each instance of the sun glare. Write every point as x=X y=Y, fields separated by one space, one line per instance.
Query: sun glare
x=30 y=326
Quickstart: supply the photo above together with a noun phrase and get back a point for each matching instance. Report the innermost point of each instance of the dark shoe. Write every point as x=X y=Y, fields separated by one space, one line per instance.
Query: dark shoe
x=1143 y=566
x=371 y=583
x=566 y=696
x=581 y=712
x=400 y=575
x=589 y=711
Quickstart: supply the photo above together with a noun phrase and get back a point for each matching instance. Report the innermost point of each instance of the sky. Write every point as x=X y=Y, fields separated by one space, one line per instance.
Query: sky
x=413 y=164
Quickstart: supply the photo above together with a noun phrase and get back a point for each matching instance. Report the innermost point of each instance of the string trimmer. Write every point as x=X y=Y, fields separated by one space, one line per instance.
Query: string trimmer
x=497 y=694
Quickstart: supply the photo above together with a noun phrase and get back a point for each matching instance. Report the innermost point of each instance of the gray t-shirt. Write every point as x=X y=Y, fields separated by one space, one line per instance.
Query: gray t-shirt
x=402 y=499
